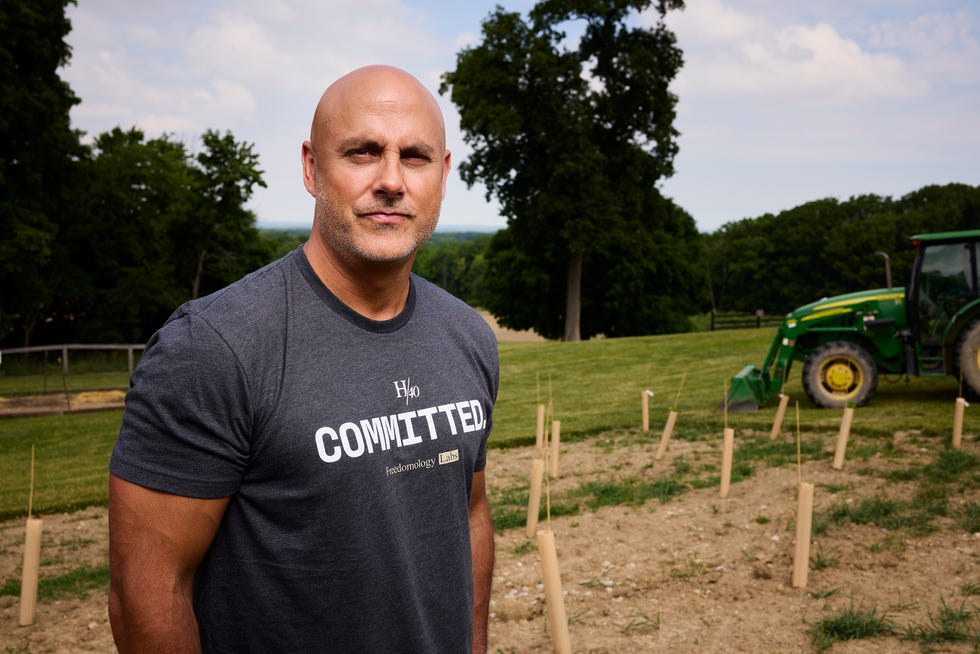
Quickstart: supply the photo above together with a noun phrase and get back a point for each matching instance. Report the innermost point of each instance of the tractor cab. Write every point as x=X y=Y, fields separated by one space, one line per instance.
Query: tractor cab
x=942 y=298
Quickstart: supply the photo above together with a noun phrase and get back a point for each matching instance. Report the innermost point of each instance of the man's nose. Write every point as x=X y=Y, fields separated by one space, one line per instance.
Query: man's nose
x=390 y=180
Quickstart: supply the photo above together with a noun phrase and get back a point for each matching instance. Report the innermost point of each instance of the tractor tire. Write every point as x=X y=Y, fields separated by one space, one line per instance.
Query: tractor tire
x=968 y=359
x=840 y=373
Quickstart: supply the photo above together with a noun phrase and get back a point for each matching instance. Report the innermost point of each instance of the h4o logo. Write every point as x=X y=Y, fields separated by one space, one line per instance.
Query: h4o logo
x=404 y=388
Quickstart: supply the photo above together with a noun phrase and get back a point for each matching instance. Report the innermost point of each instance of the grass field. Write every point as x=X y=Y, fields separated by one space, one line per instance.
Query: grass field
x=593 y=386
x=37 y=384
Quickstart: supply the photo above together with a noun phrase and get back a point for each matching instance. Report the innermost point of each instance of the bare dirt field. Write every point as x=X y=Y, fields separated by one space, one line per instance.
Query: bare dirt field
x=55 y=403
x=695 y=573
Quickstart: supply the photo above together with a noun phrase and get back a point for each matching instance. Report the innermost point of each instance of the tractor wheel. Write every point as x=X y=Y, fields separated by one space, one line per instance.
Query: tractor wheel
x=968 y=358
x=840 y=373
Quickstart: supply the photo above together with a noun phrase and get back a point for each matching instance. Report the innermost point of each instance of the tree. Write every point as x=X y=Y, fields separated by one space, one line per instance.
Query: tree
x=572 y=143
x=456 y=262
x=38 y=152
x=115 y=278
x=219 y=226
x=133 y=246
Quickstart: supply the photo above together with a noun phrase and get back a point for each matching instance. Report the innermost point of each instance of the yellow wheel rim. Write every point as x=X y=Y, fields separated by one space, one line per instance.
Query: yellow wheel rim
x=842 y=376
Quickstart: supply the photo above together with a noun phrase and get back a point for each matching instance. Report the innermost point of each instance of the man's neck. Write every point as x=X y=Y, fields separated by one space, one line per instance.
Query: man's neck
x=375 y=290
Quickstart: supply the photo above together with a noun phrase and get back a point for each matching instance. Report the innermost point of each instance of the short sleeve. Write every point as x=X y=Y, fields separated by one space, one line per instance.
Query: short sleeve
x=186 y=428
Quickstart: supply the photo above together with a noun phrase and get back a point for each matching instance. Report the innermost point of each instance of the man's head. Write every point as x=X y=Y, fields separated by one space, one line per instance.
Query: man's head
x=377 y=164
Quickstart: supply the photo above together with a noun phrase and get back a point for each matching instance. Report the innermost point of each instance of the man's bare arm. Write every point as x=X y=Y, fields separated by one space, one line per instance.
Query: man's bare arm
x=481 y=545
x=156 y=541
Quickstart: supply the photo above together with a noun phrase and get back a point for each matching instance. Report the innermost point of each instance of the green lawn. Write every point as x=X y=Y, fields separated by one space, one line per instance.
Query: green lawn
x=37 y=384
x=594 y=386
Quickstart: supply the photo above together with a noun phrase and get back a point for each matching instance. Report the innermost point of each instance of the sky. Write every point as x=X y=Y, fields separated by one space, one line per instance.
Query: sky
x=780 y=102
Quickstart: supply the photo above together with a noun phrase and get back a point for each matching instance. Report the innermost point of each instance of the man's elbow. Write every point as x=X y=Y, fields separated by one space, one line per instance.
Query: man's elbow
x=118 y=620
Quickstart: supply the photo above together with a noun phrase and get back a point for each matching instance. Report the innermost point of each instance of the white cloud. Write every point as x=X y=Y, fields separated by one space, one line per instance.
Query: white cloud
x=154 y=125
x=941 y=46
x=796 y=104
x=770 y=90
x=466 y=40
x=818 y=63
x=733 y=54
x=231 y=97
x=708 y=22
x=236 y=46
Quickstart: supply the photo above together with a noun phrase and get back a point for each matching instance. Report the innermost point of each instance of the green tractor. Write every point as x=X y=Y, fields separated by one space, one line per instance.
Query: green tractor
x=930 y=328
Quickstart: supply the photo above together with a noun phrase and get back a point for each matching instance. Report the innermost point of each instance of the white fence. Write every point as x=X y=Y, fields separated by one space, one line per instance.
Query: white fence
x=65 y=348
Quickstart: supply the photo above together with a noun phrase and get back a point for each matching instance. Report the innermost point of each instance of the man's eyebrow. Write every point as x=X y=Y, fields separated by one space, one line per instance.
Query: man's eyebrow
x=420 y=149
x=362 y=143
x=358 y=143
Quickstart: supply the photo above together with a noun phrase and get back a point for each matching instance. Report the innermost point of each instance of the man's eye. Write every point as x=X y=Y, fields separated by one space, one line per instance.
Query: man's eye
x=415 y=158
x=361 y=154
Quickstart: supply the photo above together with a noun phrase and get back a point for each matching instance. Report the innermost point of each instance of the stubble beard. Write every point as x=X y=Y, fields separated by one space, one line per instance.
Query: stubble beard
x=353 y=243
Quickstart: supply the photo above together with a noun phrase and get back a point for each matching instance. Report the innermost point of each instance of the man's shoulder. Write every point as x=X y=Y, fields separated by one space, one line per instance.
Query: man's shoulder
x=436 y=299
x=443 y=313
x=252 y=300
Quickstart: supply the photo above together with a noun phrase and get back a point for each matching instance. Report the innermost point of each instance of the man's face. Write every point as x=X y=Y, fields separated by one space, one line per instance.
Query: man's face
x=377 y=166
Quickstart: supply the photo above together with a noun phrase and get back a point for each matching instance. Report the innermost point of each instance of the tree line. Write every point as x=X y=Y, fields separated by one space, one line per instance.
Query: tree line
x=137 y=227
x=102 y=238
x=777 y=262
x=774 y=262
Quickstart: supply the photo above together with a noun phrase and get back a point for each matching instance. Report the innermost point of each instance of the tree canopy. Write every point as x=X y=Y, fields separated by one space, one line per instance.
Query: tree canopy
x=571 y=135
x=457 y=263
x=38 y=152
x=152 y=227
x=101 y=242
x=828 y=247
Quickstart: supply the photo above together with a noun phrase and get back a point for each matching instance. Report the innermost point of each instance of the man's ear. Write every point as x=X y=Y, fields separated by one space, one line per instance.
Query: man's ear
x=308 y=156
x=445 y=171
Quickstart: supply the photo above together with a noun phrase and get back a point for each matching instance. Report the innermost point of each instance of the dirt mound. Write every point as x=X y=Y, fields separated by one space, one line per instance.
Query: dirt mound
x=56 y=403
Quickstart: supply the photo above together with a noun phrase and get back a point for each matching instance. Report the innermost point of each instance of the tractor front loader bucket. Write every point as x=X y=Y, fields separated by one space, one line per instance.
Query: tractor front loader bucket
x=748 y=391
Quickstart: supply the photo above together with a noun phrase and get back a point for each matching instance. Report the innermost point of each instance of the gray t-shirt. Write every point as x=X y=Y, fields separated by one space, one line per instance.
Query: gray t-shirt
x=348 y=448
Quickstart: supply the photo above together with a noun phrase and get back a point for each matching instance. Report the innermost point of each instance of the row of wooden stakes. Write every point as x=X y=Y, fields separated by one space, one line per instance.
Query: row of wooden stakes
x=548 y=448
x=548 y=451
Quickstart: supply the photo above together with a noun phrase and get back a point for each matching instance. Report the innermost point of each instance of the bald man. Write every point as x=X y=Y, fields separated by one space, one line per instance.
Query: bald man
x=300 y=466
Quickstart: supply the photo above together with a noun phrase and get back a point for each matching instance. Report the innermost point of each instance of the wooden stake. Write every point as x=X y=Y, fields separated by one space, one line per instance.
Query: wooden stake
x=645 y=401
x=539 y=433
x=842 y=435
x=557 y=620
x=32 y=566
x=665 y=438
x=553 y=447
x=777 y=425
x=32 y=558
x=534 y=500
x=804 y=522
x=961 y=405
x=727 y=452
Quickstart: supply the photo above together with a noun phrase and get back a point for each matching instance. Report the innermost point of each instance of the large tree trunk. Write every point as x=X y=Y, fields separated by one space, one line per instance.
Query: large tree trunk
x=198 y=274
x=711 y=288
x=573 y=299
